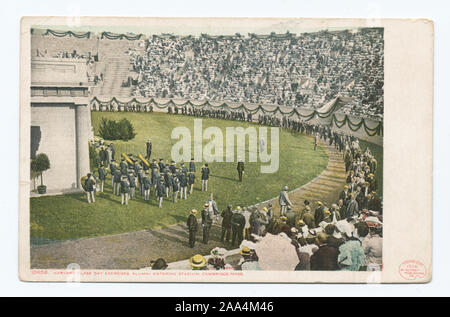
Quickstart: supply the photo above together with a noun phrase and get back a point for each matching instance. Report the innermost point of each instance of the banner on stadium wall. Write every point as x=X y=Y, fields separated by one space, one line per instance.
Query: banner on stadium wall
x=68 y=33
x=136 y=105
x=114 y=36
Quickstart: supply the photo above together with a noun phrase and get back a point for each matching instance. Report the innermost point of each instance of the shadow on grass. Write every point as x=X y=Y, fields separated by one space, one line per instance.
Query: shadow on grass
x=161 y=235
x=224 y=177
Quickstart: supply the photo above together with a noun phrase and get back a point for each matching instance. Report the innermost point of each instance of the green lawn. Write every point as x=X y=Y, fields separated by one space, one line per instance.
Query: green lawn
x=70 y=216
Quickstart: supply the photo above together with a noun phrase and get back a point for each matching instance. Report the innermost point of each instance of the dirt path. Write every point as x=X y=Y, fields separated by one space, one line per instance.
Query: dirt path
x=135 y=250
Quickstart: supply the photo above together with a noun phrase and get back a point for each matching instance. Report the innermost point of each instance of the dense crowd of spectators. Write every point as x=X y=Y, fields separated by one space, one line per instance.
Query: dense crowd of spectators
x=307 y=70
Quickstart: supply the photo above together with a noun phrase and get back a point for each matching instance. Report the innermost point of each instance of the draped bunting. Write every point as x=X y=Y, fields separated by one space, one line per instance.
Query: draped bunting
x=68 y=33
x=114 y=36
x=97 y=104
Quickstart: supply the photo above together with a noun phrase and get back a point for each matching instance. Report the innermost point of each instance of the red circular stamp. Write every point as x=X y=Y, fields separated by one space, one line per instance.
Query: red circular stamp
x=412 y=270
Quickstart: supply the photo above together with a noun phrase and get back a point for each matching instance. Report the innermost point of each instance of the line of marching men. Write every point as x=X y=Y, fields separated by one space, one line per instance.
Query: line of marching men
x=167 y=180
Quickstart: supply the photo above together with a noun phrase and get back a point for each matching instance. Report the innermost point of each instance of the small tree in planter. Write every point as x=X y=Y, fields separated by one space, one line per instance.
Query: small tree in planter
x=40 y=164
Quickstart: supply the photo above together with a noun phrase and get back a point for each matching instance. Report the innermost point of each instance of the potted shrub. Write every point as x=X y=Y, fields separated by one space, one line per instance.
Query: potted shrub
x=40 y=164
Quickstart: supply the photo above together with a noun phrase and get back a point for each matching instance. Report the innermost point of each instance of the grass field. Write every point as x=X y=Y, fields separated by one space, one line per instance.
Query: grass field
x=70 y=216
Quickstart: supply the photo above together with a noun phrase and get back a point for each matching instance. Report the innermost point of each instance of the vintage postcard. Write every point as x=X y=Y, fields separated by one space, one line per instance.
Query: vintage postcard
x=257 y=150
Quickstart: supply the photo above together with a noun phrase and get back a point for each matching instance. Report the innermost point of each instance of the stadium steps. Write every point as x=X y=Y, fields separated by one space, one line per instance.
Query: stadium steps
x=325 y=188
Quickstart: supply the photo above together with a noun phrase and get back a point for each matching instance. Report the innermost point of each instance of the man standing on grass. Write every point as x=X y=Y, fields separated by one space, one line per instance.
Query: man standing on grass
x=192 y=166
x=112 y=168
x=160 y=191
x=147 y=184
x=226 y=223
x=240 y=169
x=237 y=226
x=207 y=220
x=132 y=182
x=192 y=226
x=117 y=178
x=191 y=181
x=90 y=185
x=316 y=140
x=176 y=187
x=103 y=156
x=205 y=177
x=102 y=176
x=124 y=189
x=149 y=149
x=183 y=185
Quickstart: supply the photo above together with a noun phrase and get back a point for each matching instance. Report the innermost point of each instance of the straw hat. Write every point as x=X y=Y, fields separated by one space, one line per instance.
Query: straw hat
x=197 y=260
x=245 y=250
x=194 y=211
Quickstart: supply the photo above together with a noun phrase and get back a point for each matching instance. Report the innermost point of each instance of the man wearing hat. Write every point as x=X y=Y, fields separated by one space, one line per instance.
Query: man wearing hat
x=117 y=176
x=192 y=165
x=240 y=169
x=113 y=150
x=183 y=184
x=124 y=189
x=192 y=226
x=102 y=176
x=123 y=167
x=205 y=177
x=160 y=191
x=269 y=212
x=198 y=262
x=284 y=227
x=248 y=262
x=175 y=187
x=173 y=167
x=149 y=149
x=155 y=176
x=237 y=226
x=207 y=220
x=374 y=203
x=283 y=200
x=319 y=214
x=227 y=214
x=140 y=177
x=326 y=258
x=132 y=182
x=352 y=208
x=344 y=194
x=112 y=169
x=168 y=180
x=103 y=156
x=147 y=184
x=161 y=165
x=191 y=181
x=308 y=217
x=291 y=217
x=89 y=184
x=153 y=165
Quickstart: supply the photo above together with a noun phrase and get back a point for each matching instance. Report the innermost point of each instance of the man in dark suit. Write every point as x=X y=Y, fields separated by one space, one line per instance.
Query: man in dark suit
x=326 y=258
x=226 y=223
x=192 y=226
x=237 y=226
x=207 y=220
x=149 y=149
x=240 y=169
x=319 y=214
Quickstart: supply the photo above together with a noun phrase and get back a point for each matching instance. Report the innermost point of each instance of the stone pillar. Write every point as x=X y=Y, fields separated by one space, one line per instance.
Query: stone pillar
x=83 y=131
